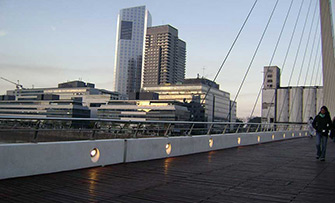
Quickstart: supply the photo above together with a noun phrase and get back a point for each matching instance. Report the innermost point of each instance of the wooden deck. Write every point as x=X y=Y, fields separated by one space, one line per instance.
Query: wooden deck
x=285 y=171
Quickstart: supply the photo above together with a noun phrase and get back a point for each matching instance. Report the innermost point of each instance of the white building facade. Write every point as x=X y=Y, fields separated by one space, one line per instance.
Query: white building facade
x=288 y=104
x=132 y=25
x=217 y=103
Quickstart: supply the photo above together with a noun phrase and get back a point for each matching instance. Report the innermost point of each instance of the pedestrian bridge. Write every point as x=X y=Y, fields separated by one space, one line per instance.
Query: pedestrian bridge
x=282 y=171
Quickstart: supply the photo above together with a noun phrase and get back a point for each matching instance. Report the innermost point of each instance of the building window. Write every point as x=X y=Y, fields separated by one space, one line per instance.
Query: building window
x=126 y=30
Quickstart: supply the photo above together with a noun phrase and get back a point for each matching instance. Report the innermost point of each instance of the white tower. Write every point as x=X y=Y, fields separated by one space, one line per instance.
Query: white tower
x=132 y=25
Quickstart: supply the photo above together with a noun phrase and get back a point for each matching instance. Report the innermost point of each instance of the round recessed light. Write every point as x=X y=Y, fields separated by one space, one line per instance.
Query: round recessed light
x=210 y=142
x=95 y=155
x=168 y=148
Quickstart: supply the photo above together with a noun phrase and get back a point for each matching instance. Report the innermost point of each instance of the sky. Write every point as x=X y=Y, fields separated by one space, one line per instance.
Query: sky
x=43 y=43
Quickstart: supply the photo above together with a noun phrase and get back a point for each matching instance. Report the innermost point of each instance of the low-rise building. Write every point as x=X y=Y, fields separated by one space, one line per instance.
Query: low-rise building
x=91 y=97
x=45 y=106
x=217 y=103
x=142 y=110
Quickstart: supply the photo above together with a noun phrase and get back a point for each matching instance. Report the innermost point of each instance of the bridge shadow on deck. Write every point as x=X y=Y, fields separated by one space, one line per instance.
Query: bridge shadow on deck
x=285 y=171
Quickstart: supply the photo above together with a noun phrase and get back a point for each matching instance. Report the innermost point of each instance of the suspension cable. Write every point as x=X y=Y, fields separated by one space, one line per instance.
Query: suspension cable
x=295 y=60
x=317 y=72
x=310 y=57
x=299 y=45
x=230 y=49
x=253 y=57
x=309 y=35
x=286 y=55
x=309 y=63
x=288 y=49
x=316 y=55
x=320 y=79
x=272 y=57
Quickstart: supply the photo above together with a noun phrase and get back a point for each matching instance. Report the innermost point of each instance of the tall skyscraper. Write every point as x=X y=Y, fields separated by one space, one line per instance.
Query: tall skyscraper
x=164 y=58
x=132 y=25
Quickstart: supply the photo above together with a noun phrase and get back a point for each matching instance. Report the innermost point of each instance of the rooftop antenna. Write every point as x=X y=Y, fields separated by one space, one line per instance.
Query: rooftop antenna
x=203 y=71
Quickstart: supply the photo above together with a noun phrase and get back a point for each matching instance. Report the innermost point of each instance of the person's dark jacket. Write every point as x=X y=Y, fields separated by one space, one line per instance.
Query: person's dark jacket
x=322 y=125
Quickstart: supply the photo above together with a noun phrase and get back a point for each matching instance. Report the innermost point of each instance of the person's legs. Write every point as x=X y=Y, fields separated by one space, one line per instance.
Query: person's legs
x=318 y=142
x=324 y=140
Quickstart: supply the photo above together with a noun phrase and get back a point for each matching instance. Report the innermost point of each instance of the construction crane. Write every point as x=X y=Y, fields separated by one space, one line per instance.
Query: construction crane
x=18 y=85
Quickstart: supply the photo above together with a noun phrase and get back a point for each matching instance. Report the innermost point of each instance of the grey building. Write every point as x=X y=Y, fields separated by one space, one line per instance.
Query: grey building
x=271 y=77
x=217 y=103
x=288 y=104
x=132 y=25
x=90 y=96
x=164 y=58
x=43 y=106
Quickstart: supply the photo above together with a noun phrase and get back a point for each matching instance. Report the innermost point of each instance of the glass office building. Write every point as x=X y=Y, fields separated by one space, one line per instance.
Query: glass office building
x=132 y=25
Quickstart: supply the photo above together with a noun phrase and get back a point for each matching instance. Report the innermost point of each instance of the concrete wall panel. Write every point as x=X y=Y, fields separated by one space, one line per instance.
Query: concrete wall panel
x=31 y=159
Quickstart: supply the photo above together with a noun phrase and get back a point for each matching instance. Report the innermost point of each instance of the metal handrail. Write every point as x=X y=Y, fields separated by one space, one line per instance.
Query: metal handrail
x=135 y=121
x=91 y=128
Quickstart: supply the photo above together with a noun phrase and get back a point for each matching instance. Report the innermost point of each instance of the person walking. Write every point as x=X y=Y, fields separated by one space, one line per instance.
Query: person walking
x=310 y=127
x=322 y=123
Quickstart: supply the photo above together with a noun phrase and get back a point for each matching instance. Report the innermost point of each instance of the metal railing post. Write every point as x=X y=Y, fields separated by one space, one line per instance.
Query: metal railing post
x=190 y=132
x=37 y=127
x=225 y=128
x=138 y=127
x=167 y=130
x=121 y=128
x=265 y=128
x=210 y=128
x=257 y=128
x=249 y=126
x=93 y=130
x=273 y=127
x=238 y=128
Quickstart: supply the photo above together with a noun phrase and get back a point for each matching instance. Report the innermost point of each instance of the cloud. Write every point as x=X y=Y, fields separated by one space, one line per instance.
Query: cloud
x=53 y=28
x=3 y=33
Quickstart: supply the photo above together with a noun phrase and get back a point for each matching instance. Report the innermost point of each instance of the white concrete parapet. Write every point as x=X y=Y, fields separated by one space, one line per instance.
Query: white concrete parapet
x=27 y=159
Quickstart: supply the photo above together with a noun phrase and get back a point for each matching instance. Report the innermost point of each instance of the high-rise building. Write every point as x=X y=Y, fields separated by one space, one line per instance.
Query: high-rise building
x=164 y=58
x=132 y=25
